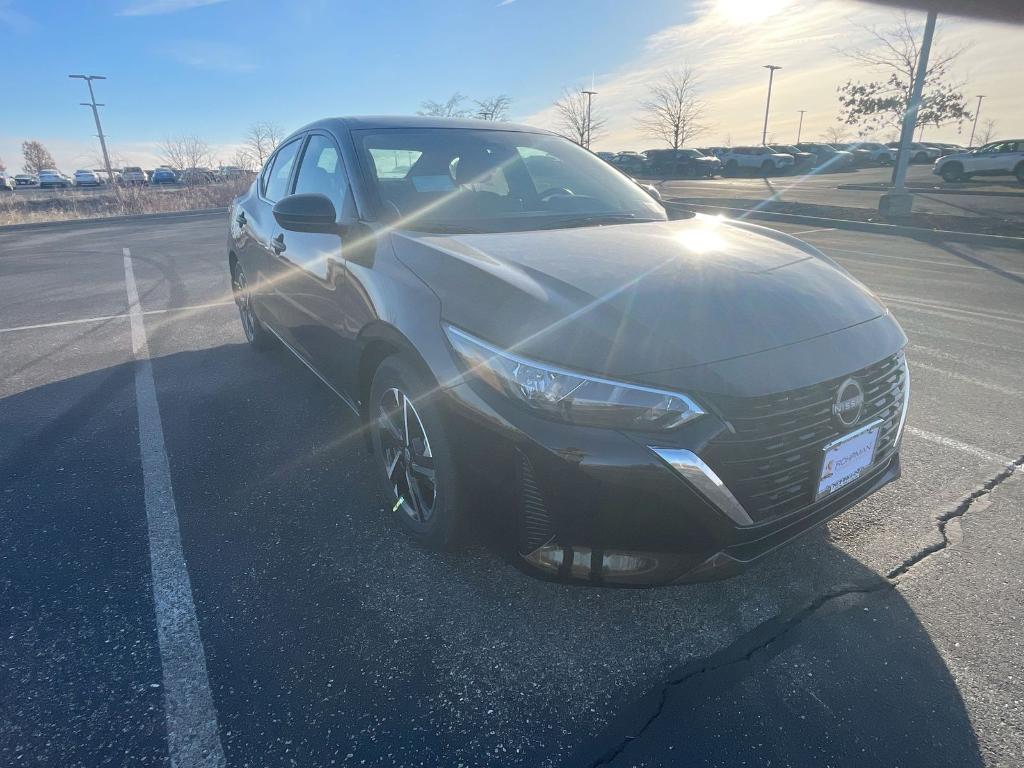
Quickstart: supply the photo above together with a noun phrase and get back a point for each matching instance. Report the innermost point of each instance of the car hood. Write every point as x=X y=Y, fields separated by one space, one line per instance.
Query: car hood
x=634 y=298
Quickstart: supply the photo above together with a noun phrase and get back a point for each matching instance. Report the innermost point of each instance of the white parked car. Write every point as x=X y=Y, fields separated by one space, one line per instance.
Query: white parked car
x=879 y=154
x=51 y=177
x=764 y=159
x=7 y=182
x=998 y=158
x=133 y=174
x=919 y=153
x=87 y=178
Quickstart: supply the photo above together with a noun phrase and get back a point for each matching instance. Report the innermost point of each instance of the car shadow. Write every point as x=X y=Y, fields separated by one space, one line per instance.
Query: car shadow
x=328 y=633
x=961 y=253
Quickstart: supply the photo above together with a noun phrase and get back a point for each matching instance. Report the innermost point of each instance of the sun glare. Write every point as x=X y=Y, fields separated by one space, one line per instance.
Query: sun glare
x=748 y=11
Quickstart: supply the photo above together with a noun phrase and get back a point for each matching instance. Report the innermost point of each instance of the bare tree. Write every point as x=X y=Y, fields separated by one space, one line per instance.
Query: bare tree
x=573 y=122
x=673 y=112
x=988 y=130
x=261 y=140
x=879 y=104
x=37 y=157
x=493 y=108
x=187 y=151
x=3 y=167
x=451 y=108
x=244 y=159
x=835 y=134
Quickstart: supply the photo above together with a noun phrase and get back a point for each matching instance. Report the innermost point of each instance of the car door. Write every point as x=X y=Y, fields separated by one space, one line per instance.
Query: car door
x=317 y=285
x=264 y=236
x=990 y=158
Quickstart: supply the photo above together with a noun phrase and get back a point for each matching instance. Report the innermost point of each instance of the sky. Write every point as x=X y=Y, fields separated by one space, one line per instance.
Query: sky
x=211 y=68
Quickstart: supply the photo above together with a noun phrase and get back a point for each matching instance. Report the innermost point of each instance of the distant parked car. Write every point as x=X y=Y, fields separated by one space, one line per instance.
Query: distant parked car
x=25 y=180
x=944 y=149
x=876 y=153
x=87 y=178
x=606 y=156
x=629 y=162
x=802 y=159
x=998 y=158
x=681 y=162
x=919 y=153
x=50 y=178
x=133 y=174
x=163 y=176
x=7 y=183
x=828 y=156
x=764 y=159
x=226 y=172
x=196 y=176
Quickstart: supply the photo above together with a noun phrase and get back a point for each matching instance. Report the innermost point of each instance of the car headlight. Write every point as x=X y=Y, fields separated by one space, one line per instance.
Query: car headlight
x=573 y=397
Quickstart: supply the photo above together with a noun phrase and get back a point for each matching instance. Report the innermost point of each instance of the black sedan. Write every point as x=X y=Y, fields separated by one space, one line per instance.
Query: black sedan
x=524 y=334
x=674 y=163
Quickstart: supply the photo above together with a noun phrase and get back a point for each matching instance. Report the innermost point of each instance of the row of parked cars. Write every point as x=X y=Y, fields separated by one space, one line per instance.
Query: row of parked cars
x=51 y=178
x=770 y=158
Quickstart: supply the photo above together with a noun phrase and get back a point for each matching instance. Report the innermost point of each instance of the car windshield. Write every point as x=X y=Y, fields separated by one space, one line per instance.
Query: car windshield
x=465 y=180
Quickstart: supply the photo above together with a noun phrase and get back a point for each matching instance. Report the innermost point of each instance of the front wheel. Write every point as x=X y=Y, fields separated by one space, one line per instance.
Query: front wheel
x=767 y=168
x=952 y=172
x=731 y=168
x=1019 y=172
x=410 y=442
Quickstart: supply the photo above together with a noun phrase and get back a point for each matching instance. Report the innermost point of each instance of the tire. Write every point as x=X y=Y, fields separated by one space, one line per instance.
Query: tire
x=259 y=338
x=952 y=172
x=417 y=470
x=1019 y=172
x=921 y=157
x=767 y=168
x=731 y=168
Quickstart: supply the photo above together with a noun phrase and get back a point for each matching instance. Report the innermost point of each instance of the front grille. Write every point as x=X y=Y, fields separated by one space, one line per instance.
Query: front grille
x=772 y=460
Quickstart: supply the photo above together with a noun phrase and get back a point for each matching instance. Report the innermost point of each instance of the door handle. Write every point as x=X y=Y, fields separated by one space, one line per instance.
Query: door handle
x=240 y=219
x=278 y=244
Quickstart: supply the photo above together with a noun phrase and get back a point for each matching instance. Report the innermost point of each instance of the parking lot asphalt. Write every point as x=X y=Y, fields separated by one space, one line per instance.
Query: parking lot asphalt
x=890 y=637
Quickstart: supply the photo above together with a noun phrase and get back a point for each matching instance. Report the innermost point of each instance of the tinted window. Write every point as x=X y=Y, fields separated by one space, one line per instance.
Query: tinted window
x=321 y=170
x=495 y=180
x=276 y=182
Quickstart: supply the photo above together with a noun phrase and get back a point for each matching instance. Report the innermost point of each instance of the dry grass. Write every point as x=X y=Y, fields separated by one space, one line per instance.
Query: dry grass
x=63 y=205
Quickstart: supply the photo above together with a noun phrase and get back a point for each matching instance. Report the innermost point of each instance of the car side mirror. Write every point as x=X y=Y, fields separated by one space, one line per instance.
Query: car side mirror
x=307 y=212
x=652 y=191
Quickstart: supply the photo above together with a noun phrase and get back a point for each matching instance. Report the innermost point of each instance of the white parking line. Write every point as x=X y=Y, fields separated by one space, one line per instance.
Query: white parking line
x=927 y=307
x=100 y=318
x=968 y=379
x=949 y=442
x=808 y=231
x=192 y=737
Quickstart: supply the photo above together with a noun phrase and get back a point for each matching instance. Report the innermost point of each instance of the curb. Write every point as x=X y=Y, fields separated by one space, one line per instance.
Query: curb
x=100 y=221
x=934 y=191
x=1004 y=241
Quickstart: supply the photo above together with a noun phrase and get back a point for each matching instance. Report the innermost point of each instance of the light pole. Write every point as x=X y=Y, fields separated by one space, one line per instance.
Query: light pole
x=771 y=75
x=800 y=127
x=96 y=116
x=590 y=95
x=974 y=127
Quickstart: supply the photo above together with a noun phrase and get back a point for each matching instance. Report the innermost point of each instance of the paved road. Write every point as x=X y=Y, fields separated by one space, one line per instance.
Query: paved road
x=891 y=637
x=824 y=189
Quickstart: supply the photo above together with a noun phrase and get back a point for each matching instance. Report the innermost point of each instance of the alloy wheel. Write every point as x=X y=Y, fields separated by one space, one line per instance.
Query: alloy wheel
x=408 y=460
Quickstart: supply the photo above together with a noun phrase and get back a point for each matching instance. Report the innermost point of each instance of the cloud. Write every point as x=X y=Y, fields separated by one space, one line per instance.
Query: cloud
x=16 y=21
x=504 y=2
x=157 y=7
x=804 y=38
x=213 y=56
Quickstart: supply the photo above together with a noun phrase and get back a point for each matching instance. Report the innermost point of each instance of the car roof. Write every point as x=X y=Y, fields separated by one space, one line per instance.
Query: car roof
x=371 y=122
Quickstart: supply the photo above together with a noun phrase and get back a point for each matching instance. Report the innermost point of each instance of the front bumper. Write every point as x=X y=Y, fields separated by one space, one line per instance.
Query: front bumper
x=607 y=507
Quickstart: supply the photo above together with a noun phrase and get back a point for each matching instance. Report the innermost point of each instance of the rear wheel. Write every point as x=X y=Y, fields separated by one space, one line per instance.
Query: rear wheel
x=952 y=172
x=921 y=157
x=767 y=168
x=416 y=465
x=1019 y=172
x=731 y=167
x=255 y=333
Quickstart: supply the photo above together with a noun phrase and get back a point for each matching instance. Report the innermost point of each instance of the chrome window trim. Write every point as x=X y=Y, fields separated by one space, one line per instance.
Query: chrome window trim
x=703 y=478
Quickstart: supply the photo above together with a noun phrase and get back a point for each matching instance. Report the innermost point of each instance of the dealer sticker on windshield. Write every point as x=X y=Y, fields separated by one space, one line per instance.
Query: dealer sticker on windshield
x=847 y=458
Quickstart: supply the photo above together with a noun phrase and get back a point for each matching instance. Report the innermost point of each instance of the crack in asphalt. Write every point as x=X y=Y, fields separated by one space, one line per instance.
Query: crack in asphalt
x=759 y=639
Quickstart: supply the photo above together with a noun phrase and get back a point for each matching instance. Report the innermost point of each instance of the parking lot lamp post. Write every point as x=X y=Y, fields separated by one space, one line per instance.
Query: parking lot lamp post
x=590 y=95
x=800 y=127
x=96 y=116
x=898 y=202
x=974 y=127
x=771 y=76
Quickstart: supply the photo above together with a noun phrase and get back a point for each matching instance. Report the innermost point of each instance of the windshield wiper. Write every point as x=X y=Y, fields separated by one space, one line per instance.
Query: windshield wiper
x=596 y=219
